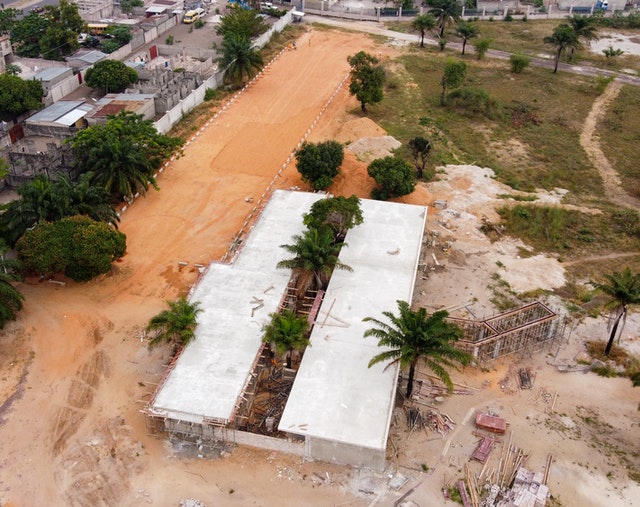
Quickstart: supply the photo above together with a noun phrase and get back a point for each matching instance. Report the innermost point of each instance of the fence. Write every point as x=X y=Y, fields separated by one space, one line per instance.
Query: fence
x=196 y=97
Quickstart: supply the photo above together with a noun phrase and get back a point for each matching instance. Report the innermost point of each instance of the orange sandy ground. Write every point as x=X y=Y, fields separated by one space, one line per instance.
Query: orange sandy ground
x=76 y=436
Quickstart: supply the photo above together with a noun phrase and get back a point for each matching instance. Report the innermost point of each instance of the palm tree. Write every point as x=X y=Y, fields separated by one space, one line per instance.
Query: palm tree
x=584 y=27
x=176 y=325
x=563 y=38
x=88 y=199
x=239 y=59
x=423 y=24
x=119 y=166
x=413 y=335
x=466 y=30
x=446 y=13
x=623 y=289
x=287 y=332
x=315 y=256
x=10 y=298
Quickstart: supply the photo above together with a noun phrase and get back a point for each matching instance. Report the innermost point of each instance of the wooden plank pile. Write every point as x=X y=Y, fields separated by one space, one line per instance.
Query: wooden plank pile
x=525 y=377
x=428 y=420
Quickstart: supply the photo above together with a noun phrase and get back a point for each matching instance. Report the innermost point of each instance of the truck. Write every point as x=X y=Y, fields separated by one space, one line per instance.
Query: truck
x=193 y=15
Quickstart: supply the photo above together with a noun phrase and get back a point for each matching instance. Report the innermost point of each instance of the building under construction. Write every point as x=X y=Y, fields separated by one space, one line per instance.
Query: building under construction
x=224 y=386
x=525 y=329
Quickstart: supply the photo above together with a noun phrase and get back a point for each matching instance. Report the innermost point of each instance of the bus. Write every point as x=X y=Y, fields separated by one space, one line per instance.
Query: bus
x=194 y=15
x=97 y=28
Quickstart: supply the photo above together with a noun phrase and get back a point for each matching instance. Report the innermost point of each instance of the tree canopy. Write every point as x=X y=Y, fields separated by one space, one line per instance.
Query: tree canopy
x=338 y=213
x=423 y=23
x=394 y=177
x=18 y=96
x=623 y=290
x=43 y=200
x=287 y=332
x=414 y=335
x=453 y=76
x=420 y=150
x=446 y=12
x=10 y=297
x=240 y=60
x=242 y=22
x=122 y=154
x=563 y=38
x=111 y=76
x=53 y=35
x=367 y=79
x=77 y=246
x=175 y=326
x=466 y=30
x=319 y=163
x=315 y=255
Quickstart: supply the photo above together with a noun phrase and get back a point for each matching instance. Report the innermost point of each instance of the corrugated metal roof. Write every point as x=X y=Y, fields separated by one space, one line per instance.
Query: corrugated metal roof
x=55 y=111
x=51 y=73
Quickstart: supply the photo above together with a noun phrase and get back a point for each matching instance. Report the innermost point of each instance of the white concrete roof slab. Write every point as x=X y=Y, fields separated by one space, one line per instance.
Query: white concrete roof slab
x=335 y=395
x=213 y=370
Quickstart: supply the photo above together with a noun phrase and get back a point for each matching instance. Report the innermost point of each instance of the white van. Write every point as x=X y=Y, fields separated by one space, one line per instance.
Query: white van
x=193 y=16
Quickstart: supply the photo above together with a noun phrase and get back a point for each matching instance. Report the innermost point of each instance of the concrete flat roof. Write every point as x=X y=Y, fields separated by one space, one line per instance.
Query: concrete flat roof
x=335 y=395
x=213 y=370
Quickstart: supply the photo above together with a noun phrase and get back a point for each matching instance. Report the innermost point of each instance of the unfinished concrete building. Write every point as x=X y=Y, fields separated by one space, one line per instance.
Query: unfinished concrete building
x=339 y=410
x=524 y=329
x=169 y=87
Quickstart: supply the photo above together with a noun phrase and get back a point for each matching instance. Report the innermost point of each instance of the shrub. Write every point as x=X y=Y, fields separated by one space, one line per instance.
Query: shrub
x=78 y=246
x=394 y=176
x=476 y=102
x=519 y=62
x=210 y=94
x=482 y=46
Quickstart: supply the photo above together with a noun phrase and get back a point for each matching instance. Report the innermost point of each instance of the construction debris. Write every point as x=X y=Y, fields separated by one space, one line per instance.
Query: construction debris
x=483 y=449
x=429 y=420
x=525 y=377
x=491 y=422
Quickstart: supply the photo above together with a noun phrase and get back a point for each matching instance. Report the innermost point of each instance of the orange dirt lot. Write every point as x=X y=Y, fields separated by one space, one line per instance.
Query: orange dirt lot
x=73 y=433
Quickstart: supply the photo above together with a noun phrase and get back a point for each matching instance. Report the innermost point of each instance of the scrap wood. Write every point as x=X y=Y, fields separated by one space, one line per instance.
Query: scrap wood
x=464 y=496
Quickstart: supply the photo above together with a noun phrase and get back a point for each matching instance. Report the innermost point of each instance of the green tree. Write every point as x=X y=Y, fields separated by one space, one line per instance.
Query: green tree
x=339 y=213
x=27 y=33
x=466 y=30
x=61 y=34
x=420 y=151
x=18 y=96
x=482 y=46
x=623 y=290
x=423 y=24
x=414 y=335
x=112 y=76
x=446 y=13
x=563 y=38
x=77 y=246
x=175 y=326
x=240 y=60
x=43 y=200
x=394 y=176
x=518 y=62
x=452 y=77
x=10 y=297
x=585 y=29
x=122 y=154
x=126 y=6
x=286 y=332
x=8 y=19
x=319 y=163
x=367 y=79
x=121 y=34
x=315 y=255
x=242 y=23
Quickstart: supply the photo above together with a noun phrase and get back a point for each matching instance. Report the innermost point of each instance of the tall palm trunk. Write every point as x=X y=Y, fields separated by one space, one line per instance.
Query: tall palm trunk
x=614 y=331
x=412 y=373
x=555 y=69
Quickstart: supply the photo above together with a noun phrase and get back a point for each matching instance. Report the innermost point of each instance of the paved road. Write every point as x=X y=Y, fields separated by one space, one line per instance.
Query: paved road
x=378 y=29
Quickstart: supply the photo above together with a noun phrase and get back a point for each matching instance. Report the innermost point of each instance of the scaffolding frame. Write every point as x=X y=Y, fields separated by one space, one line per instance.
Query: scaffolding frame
x=525 y=329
